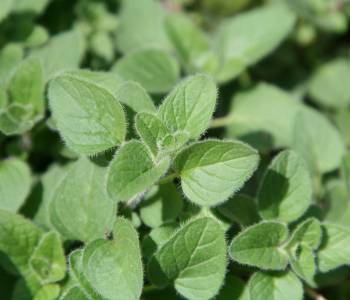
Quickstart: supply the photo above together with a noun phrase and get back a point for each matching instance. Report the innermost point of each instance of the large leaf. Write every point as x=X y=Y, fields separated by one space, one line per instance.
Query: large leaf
x=189 y=106
x=114 y=268
x=155 y=69
x=285 y=191
x=212 y=170
x=133 y=170
x=80 y=208
x=194 y=259
x=15 y=183
x=275 y=286
x=88 y=117
x=261 y=246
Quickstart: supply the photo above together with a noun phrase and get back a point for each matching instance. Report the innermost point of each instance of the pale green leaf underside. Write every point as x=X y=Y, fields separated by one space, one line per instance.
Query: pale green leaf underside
x=211 y=171
x=285 y=191
x=194 y=258
x=261 y=246
x=133 y=170
x=88 y=117
x=114 y=268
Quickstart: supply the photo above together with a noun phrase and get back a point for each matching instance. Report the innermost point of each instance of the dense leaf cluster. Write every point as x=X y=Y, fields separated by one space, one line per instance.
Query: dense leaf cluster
x=174 y=149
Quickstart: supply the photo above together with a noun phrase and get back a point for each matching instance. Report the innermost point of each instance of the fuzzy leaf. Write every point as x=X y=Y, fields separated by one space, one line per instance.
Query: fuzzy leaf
x=211 y=171
x=275 y=286
x=133 y=170
x=155 y=69
x=48 y=260
x=303 y=263
x=189 y=106
x=80 y=208
x=114 y=268
x=194 y=258
x=308 y=233
x=261 y=246
x=285 y=191
x=334 y=251
x=15 y=183
x=88 y=117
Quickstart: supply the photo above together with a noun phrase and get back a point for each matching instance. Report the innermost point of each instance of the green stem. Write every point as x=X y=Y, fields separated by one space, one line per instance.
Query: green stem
x=149 y=288
x=221 y=122
x=169 y=178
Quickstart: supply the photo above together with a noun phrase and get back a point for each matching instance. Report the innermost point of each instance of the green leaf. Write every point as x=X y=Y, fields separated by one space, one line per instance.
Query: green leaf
x=114 y=268
x=15 y=184
x=48 y=260
x=285 y=191
x=334 y=251
x=275 y=286
x=74 y=293
x=242 y=40
x=10 y=57
x=188 y=39
x=33 y=6
x=308 y=233
x=141 y=25
x=18 y=240
x=155 y=69
x=303 y=263
x=151 y=130
x=241 y=209
x=337 y=203
x=318 y=141
x=190 y=105
x=325 y=87
x=46 y=188
x=162 y=204
x=80 y=208
x=133 y=170
x=48 y=292
x=194 y=258
x=212 y=170
x=88 y=117
x=261 y=245
x=254 y=122
x=54 y=55
x=83 y=288
x=233 y=289
x=342 y=121
x=5 y=8
x=345 y=170
x=134 y=96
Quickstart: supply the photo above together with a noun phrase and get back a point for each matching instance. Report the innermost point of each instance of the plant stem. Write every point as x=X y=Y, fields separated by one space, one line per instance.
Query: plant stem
x=313 y=294
x=221 y=122
x=168 y=178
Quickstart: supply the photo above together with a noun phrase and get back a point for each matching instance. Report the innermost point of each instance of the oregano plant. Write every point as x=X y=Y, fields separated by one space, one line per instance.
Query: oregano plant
x=174 y=149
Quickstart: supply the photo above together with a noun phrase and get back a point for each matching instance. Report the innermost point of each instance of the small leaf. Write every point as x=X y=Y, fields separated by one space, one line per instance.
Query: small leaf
x=261 y=246
x=89 y=118
x=303 y=263
x=133 y=170
x=114 y=268
x=15 y=183
x=48 y=260
x=48 y=292
x=155 y=69
x=275 y=286
x=194 y=258
x=189 y=106
x=318 y=141
x=334 y=251
x=151 y=130
x=212 y=170
x=326 y=88
x=285 y=191
x=80 y=208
